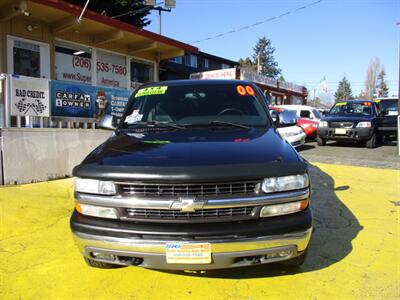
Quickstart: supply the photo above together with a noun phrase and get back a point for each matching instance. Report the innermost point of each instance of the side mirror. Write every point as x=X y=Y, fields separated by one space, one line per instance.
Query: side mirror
x=107 y=122
x=287 y=118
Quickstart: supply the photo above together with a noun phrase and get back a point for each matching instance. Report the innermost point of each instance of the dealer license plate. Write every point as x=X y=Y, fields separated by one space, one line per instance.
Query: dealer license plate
x=187 y=253
x=340 y=131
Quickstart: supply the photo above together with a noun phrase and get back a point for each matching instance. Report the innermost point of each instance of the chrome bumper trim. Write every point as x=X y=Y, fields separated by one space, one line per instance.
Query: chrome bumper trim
x=210 y=203
x=225 y=253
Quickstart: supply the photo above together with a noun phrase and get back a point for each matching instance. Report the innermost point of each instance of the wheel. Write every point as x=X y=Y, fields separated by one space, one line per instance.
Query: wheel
x=295 y=262
x=230 y=109
x=321 y=141
x=371 y=143
x=99 y=264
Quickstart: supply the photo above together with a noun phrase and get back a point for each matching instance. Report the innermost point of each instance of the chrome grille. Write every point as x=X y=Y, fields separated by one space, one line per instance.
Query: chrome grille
x=341 y=124
x=244 y=212
x=236 y=188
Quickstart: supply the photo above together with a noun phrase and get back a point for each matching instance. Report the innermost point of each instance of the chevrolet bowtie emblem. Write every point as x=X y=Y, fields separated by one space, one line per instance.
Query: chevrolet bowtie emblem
x=188 y=204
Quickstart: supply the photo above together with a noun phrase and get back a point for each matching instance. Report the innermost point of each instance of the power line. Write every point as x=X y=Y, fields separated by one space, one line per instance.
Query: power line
x=258 y=23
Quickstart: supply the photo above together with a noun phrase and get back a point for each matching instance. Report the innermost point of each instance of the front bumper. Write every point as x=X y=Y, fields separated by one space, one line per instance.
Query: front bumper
x=233 y=244
x=351 y=134
x=297 y=140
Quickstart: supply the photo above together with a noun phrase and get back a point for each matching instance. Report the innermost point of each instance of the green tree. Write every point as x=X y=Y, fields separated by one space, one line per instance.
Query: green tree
x=381 y=86
x=264 y=52
x=344 y=90
x=128 y=11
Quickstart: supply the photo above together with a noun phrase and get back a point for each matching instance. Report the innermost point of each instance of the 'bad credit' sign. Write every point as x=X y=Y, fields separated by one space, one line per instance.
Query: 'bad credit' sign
x=29 y=96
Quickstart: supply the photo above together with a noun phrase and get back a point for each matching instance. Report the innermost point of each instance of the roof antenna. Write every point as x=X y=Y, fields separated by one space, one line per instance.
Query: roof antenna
x=83 y=11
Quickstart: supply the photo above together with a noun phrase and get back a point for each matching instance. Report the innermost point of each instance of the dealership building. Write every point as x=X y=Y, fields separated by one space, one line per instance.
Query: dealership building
x=59 y=75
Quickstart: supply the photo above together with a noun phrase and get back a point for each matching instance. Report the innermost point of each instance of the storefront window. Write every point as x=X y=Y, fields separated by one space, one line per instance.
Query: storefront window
x=141 y=72
x=111 y=70
x=73 y=63
x=27 y=58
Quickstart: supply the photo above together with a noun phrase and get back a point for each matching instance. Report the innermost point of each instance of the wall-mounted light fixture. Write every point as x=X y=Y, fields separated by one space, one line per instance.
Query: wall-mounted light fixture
x=26 y=13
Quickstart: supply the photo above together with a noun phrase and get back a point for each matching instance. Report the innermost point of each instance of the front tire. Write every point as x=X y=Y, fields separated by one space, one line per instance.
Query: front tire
x=321 y=141
x=295 y=262
x=371 y=143
x=99 y=264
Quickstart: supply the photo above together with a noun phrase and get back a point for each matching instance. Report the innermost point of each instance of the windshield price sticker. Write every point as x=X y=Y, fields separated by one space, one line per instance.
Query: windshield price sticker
x=244 y=91
x=134 y=117
x=179 y=253
x=341 y=103
x=155 y=90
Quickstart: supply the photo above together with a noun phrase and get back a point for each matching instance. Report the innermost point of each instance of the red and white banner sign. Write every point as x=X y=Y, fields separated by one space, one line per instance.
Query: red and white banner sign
x=217 y=74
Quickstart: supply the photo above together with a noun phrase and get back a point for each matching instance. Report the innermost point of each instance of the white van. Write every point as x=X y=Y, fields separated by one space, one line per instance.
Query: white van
x=304 y=111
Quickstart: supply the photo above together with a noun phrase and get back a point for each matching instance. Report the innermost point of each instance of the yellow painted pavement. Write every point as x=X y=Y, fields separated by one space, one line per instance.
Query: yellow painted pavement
x=354 y=252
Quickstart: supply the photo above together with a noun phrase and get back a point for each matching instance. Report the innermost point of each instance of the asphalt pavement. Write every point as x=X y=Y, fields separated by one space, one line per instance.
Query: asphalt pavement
x=384 y=156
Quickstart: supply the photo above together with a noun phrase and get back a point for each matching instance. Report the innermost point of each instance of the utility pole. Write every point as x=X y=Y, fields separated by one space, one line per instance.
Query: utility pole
x=153 y=5
x=160 y=9
x=398 y=105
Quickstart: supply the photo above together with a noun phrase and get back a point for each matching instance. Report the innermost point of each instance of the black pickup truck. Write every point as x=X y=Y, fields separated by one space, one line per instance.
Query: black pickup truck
x=195 y=177
x=388 y=108
x=353 y=120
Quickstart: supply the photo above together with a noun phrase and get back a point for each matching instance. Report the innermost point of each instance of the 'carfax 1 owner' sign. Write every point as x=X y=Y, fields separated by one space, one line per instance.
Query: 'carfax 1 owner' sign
x=85 y=101
x=29 y=96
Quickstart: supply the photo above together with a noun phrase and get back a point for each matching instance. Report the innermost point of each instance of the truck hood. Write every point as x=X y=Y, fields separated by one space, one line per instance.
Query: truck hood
x=191 y=147
x=232 y=152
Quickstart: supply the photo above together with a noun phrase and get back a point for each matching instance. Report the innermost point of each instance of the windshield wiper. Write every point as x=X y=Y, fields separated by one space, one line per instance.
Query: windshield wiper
x=222 y=123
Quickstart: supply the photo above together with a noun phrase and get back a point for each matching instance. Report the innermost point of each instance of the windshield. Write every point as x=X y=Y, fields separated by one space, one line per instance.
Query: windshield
x=352 y=108
x=191 y=104
x=389 y=107
x=317 y=114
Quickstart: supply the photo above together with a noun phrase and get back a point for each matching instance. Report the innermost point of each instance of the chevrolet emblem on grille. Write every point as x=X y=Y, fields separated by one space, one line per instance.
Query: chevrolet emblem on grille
x=188 y=204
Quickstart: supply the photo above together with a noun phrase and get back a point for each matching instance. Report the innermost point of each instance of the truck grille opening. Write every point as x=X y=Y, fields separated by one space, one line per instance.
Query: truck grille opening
x=236 y=188
x=232 y=213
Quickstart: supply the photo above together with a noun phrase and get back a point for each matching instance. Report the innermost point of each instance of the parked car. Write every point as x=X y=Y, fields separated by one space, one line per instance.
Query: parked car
x=352 y=120
x=309 y=126
x=389 y=116
x=304 y=111
x=295 y=135
x=195 y=177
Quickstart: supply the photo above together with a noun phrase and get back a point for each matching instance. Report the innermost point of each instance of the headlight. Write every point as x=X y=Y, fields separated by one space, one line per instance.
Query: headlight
x=323 y=124
x=285 y=183
x=96 y=211
x=364 y=125
x=283 y=209
x=93 y=186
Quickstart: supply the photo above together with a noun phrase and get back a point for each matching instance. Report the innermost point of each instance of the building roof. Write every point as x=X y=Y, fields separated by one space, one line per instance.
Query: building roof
x=217 y=58
x=95 y=29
